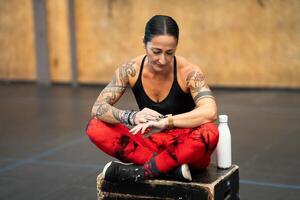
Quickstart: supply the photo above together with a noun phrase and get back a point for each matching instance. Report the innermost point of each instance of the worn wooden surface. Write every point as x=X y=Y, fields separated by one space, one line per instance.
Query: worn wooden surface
x=237 y=43
x=58 y=37
x=17 y=51
x=210 y=184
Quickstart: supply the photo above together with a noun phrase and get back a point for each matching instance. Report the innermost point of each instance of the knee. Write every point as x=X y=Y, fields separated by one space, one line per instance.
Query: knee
x=211 y=131
x=193 y=151
x=94 y=128
x=98 y=130
x=207 y=136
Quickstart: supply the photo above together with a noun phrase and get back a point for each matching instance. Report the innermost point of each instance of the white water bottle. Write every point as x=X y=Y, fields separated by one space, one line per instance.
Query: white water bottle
x=223 y=150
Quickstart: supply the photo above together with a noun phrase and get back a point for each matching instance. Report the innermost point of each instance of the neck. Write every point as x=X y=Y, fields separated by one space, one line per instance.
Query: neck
x=163 y=72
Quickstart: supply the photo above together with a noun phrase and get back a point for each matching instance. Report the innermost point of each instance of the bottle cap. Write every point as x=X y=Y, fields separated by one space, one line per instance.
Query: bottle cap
x=223 y=118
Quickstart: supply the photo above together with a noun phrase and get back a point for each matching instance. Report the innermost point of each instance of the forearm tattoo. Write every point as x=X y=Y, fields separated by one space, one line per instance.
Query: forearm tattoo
x=117 y=114
x=196 y=82
x=113 y=91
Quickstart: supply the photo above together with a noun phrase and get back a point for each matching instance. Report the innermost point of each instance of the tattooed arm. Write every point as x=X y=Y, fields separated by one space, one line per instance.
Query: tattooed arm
x=206 y=108
x=103 y=107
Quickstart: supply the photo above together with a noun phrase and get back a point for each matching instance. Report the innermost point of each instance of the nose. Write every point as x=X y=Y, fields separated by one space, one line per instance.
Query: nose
x=162 y=59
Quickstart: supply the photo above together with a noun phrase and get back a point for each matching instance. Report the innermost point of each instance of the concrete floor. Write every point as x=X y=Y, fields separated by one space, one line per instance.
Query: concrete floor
x=44 y=153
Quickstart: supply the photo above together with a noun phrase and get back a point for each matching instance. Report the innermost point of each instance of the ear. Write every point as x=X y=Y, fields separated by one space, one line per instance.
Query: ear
x=143 y=43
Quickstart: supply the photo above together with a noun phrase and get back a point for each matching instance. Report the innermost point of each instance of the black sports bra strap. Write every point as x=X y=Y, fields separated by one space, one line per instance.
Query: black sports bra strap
x=141 y=67
x=175 y=69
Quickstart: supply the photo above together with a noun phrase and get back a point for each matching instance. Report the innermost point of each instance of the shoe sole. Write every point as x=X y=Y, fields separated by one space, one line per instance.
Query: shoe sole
x=105 y=168
x=185 y=170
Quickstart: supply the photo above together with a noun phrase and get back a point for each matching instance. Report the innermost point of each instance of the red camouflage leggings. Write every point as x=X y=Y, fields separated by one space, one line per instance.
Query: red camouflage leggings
x=169 y=148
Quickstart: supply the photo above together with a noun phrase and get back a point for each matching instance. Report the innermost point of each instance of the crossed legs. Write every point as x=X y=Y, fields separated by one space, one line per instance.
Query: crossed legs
x=167 y=150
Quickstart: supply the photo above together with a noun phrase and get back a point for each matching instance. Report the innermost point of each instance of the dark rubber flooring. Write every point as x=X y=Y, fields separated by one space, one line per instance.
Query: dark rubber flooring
x=45 y=154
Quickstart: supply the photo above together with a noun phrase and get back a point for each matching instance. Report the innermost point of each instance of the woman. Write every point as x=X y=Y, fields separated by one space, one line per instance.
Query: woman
x=174 y=130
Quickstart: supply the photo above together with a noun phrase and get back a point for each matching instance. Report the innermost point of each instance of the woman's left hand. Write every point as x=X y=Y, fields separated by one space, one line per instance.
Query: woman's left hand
x=150 y=127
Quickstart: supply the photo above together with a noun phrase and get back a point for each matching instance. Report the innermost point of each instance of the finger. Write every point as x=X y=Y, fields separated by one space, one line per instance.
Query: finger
x=144 y=128
x=135 y=129
x=132 y=130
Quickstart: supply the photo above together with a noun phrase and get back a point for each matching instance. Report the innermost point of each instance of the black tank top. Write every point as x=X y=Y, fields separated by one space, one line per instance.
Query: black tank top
x=176 y=102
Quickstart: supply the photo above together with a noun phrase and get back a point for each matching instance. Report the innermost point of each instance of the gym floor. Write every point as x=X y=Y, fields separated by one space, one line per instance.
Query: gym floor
x=45 y=154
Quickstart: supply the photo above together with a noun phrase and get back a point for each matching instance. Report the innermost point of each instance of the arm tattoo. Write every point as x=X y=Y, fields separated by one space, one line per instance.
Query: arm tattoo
x=125 y=70
x=113 y=80
x=113 y=91
x=202 y=95
x=196 y=82
x=109 y=93
x=117 y=114
x=102 y=109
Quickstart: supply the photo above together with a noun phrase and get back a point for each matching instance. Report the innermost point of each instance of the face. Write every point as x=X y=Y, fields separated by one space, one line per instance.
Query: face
x=160 y=51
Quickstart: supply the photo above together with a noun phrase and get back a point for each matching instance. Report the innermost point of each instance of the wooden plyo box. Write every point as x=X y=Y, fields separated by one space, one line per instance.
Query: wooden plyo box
x=210 y=184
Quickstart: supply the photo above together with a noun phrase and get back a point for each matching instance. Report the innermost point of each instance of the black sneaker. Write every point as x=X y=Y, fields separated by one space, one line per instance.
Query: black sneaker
x=181 y=173
x=115 y=171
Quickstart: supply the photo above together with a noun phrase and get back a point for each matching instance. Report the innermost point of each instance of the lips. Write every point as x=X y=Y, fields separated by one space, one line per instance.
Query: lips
x=158 y=64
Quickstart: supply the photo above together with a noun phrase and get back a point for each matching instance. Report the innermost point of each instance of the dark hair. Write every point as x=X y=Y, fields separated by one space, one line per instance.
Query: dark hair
x=161 y=25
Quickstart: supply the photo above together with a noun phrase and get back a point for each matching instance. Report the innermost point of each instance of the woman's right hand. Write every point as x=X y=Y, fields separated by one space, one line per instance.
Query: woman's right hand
x=146 y=115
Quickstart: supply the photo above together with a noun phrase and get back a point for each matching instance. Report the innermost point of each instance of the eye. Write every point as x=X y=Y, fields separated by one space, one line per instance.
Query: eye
x=156 y=52
x=170 y=53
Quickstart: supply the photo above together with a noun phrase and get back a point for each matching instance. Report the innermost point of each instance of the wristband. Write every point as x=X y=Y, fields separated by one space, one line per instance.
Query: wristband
x=170 y=121
x=131 y=118
x=125 y=117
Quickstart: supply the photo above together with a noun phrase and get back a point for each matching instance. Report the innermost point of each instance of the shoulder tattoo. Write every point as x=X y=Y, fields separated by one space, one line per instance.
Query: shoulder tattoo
x=196 y=82
x=126 y=70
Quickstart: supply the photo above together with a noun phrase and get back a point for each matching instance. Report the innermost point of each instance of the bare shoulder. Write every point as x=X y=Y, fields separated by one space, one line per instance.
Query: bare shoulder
x=137 y=61
x=130 y=69
x=139 y=58
x=186 y=69
x=131 y=65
